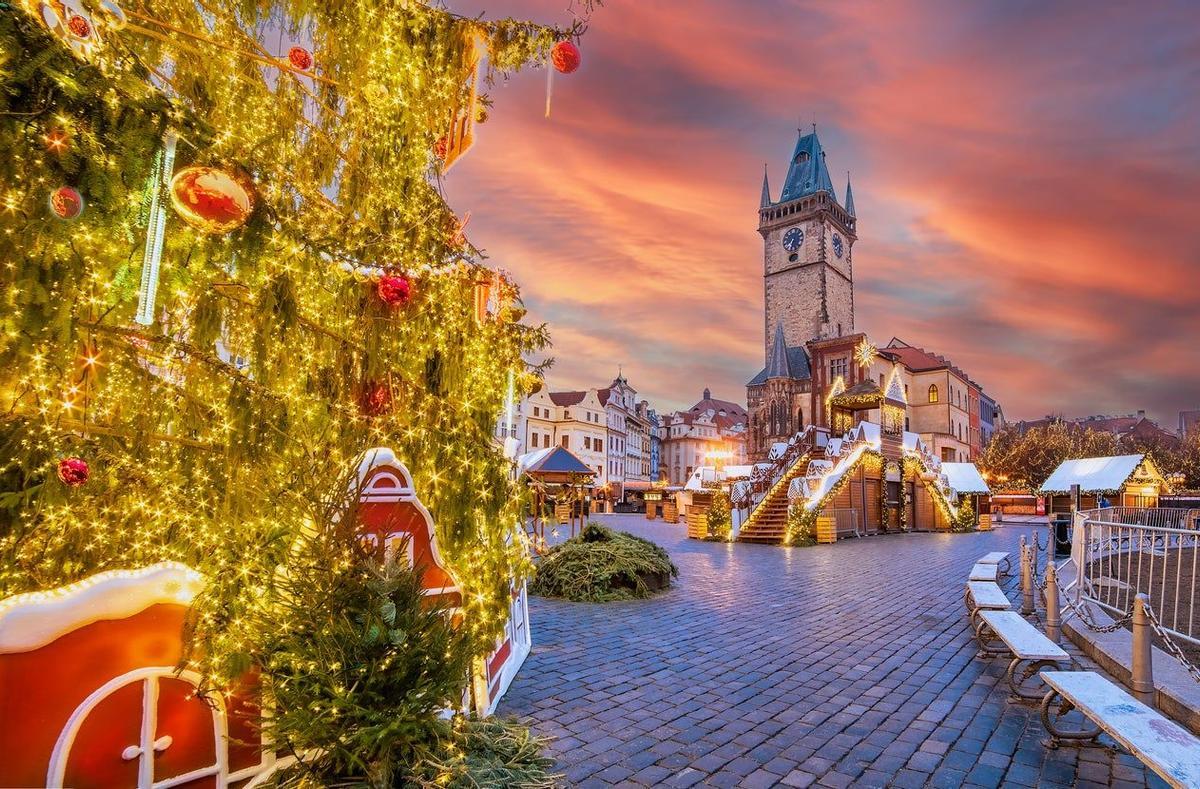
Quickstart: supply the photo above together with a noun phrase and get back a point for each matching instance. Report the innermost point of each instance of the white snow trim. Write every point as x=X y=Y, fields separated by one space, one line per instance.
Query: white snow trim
x=373 y=459
x=830 y=479
x=1092 y=474
x=530 y=459
x=965 y=478
x=30 y=621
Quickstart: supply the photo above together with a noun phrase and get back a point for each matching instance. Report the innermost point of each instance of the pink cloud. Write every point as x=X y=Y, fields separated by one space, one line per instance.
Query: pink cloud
x=1026 y=182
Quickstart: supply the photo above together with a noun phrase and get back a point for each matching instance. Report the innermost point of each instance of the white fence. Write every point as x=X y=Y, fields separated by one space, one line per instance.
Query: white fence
x=1122 y=551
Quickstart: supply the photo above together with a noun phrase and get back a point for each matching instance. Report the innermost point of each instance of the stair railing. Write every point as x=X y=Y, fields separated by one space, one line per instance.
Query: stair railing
x=766 y=476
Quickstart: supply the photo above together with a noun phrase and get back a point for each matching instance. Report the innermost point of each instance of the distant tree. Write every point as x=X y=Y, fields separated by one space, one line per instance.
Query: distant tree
x=1024 y=460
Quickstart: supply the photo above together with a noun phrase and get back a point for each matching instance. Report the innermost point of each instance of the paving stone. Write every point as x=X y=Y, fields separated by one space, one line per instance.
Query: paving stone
x=772 y=663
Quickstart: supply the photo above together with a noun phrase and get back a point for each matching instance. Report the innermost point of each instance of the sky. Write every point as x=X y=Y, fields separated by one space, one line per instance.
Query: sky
x=1026 y=180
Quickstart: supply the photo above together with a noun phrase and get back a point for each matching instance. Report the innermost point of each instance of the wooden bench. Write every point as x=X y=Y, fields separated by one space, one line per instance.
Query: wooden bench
x=1025 y=643
x=1161 y=744
x=984 y=572
x=984 y=596
x=1000 y=559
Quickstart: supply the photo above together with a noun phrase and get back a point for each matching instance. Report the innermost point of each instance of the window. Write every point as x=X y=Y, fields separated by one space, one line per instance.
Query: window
x=881 y=384
x=566 y=414
x=533 y=441
x=933 y=393
x=837 y=367
x=566 y=440
x=587 y=442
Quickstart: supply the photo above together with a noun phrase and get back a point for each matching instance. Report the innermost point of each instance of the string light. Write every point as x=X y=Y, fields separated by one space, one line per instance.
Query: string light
x=230 y=393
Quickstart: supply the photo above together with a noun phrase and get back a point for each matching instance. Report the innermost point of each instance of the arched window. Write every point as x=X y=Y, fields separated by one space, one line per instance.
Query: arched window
x=799 y=419
x=933 y=393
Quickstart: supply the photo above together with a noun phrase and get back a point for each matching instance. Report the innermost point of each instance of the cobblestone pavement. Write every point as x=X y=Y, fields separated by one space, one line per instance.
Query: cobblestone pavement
x=843 y=665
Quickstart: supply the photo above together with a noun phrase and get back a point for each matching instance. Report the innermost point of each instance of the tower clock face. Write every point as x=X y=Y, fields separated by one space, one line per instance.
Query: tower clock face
x=838 y=247
x=792 y=239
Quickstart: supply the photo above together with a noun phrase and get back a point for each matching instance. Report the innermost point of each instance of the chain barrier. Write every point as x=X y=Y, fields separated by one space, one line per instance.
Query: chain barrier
x=1085 y=616
x=1170 y=644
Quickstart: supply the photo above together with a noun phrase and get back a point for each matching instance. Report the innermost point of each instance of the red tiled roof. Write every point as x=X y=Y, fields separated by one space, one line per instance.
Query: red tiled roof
x=567 y=398
x=717 y=406
x=920 y=360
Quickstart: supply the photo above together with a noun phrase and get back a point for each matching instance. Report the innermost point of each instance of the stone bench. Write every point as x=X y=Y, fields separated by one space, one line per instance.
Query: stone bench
x=998 y=558
x=1161 y=744
x=984 y=572
x=1025 y=643
x=984 y=596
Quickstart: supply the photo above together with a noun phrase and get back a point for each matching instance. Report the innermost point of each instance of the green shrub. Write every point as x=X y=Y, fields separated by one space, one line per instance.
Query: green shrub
x=601 y=564
x=965 y=520
x=720 y=518
x=491 y=752
x=800 y=526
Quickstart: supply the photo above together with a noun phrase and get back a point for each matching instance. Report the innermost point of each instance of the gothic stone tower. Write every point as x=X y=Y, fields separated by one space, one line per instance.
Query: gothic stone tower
x=808 y=242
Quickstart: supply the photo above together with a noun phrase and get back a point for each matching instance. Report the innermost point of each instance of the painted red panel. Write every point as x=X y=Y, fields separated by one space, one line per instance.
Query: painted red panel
x=43 y=699
x=188 y=721
x=245 y=737
x=499 y=659
x=95 y=757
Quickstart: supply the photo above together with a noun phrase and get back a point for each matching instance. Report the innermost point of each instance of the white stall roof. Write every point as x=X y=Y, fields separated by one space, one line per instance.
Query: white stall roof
x=965 y=478
x=1092 y=475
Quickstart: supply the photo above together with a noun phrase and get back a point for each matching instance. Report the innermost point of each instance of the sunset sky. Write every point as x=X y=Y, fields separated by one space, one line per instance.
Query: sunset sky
x=1026 y=178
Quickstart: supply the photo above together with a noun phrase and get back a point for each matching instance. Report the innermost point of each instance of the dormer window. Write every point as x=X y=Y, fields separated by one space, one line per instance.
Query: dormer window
x=802 y=157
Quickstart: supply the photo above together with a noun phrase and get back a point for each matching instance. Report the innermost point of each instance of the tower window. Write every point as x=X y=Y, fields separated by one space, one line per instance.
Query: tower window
x=933 y=393
x=802 y=157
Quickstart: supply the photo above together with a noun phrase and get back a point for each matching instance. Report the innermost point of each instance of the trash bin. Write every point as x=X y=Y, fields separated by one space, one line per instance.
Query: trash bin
x=1060 y=527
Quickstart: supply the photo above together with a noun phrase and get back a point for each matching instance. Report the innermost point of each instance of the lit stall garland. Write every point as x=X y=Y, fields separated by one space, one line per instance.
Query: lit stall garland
x=275 y=353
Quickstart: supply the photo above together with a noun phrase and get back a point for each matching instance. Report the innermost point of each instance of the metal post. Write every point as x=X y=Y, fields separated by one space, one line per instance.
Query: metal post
x=1142 y=671
x=1026 y=579
x=1053 y=620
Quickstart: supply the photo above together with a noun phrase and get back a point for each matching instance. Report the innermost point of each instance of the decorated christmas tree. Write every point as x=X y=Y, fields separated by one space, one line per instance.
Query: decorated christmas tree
x=228 y=271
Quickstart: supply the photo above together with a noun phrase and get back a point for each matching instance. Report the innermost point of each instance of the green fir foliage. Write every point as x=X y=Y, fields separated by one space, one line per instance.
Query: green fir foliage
x=601 y=565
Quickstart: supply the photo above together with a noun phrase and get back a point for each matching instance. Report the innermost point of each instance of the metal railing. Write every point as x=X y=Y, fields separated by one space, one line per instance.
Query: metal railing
x=1157 y=517
x=845 y=520
x=763 y=478
x=1120 y=552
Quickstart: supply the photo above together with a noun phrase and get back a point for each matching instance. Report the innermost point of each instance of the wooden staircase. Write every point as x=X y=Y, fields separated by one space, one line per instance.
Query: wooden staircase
x=768 y=521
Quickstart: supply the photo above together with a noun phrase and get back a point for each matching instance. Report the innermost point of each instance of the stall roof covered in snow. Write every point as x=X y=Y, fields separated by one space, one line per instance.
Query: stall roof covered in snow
x=1092 y=475
x=965 y=478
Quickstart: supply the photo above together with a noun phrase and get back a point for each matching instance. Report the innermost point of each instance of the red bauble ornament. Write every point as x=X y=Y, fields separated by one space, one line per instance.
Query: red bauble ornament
x=441 y=147
x=211 y=200
x=300 y=58
x=79 y=26
x=66 y=202
x=73 y=471
x=393 y=290
x=376 y=398
x=565 y=57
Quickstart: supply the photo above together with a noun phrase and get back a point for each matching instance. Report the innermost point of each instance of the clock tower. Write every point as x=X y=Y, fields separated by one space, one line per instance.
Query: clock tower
x=808 y=242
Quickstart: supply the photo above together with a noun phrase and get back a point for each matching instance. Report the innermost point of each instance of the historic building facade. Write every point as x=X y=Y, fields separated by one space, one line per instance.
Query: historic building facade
x=812 y=350
x=710 y=433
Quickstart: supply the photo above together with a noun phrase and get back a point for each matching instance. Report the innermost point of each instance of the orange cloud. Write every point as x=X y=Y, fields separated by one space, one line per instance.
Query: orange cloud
x=1025 y=179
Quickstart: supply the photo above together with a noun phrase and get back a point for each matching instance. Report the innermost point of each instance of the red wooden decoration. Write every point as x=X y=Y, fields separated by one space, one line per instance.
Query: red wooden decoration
x=392 y=514
x=89 y=671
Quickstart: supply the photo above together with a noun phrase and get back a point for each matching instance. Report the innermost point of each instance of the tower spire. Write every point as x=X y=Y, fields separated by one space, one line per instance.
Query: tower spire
x=849 y=196
x=777 y=362
x=766 y=190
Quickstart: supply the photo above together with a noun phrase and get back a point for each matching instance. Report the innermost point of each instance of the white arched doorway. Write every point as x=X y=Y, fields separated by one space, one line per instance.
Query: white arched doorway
x=145 y=728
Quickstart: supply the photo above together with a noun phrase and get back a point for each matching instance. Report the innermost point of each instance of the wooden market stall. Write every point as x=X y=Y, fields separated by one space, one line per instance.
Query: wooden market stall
x=560 y=485
x=1119 y=481
x=966 y=481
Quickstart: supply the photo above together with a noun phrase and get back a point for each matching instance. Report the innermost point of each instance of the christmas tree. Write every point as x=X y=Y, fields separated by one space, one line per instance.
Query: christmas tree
x=229 y=270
